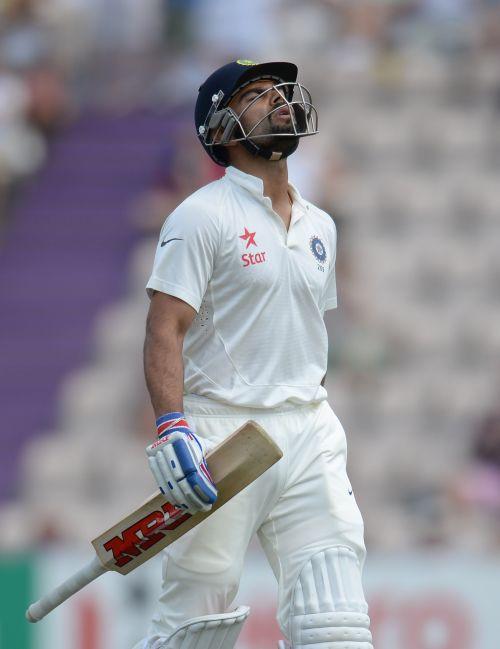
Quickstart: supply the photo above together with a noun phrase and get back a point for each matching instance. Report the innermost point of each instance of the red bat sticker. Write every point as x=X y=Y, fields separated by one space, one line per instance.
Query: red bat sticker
x=145 y=533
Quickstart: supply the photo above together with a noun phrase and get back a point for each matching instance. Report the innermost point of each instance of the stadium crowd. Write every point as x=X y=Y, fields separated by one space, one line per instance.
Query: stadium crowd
x=407 y=163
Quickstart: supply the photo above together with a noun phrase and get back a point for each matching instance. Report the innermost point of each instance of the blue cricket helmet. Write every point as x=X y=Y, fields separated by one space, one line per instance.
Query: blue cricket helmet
x=211 y=112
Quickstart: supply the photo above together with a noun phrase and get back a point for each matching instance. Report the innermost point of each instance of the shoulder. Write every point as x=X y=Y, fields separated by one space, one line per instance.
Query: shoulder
x=212 y=190
x=200 y=210
x=204 y=200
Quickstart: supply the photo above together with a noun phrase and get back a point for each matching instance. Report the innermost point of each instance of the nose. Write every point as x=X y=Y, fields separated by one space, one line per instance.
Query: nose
x=275 y=97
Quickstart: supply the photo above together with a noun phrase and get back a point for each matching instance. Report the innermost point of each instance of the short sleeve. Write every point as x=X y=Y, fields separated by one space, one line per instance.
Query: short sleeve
x=185 y=255
x=330 y=299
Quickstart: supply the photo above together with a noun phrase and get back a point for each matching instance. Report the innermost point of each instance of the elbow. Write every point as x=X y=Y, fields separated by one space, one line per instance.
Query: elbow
x=167 y=322
x=163 y=332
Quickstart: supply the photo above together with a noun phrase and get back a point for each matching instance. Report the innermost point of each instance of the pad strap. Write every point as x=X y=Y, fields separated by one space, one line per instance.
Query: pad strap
x=208 y=632
x=340 y=630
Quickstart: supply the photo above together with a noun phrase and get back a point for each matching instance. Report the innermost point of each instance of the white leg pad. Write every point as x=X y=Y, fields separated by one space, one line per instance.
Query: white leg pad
x=208 y=632
x=329 y=610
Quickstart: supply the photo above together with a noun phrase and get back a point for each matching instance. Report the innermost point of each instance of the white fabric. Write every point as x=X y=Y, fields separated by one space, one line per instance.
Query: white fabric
x=328 y=603
x=301 y=506
x=218 y=631
x=260 y=292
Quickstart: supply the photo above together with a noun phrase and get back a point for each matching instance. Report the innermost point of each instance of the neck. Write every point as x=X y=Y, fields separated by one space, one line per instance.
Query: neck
x=274 y=174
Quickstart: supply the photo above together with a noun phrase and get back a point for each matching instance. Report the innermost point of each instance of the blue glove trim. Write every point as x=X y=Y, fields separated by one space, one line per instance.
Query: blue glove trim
x=184 y=456
x=196 y=480
x=200 y=486
x=169 y=416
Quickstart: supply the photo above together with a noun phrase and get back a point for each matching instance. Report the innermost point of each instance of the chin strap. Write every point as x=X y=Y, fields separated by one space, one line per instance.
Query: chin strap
x=267 y=152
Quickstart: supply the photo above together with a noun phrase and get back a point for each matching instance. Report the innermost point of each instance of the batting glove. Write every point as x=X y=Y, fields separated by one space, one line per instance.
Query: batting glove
x=177 y=460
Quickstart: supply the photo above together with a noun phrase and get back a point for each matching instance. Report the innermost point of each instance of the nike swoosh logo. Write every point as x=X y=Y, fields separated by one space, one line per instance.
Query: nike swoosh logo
x=349 y=492
x=164 y=243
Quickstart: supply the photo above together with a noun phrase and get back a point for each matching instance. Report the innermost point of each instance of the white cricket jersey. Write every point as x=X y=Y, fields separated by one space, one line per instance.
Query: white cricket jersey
x=260 y=292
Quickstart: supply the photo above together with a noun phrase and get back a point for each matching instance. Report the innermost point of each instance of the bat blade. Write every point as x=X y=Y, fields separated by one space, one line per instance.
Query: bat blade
x=234 y=464
x=239 y=460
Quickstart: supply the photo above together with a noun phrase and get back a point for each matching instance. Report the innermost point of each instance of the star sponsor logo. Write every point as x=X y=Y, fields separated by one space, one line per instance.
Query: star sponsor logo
x=249 y=237
x=250 y=258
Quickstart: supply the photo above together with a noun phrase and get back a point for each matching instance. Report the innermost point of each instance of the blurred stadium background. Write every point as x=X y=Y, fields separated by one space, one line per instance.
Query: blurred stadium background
x=97 y=146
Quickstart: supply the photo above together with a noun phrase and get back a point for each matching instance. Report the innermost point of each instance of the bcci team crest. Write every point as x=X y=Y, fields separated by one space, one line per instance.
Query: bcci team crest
x=318 y=249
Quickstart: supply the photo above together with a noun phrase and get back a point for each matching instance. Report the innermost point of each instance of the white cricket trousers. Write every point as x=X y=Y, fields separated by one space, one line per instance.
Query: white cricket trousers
x=302 y=505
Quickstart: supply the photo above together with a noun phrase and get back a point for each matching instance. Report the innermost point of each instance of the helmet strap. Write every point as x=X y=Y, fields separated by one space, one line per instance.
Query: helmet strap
x=267 y=151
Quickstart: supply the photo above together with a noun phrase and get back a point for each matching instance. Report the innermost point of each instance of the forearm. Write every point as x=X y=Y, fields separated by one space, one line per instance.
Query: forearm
x=164 y=369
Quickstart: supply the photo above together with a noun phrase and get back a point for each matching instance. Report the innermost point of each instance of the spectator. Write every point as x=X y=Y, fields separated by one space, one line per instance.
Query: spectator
x=479 y=485
x=22 y=149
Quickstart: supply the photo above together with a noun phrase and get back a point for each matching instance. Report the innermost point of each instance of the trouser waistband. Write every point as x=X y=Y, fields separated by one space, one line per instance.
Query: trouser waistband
x=198 y=405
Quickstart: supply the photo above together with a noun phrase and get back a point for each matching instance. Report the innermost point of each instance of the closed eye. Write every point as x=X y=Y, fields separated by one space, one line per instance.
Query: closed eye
x=251 y=94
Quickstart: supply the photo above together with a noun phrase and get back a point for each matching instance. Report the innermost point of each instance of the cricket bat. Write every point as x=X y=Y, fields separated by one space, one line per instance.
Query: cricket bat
x=235 y=463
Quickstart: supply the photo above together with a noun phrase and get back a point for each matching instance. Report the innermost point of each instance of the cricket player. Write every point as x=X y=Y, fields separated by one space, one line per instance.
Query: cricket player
x=243 y=274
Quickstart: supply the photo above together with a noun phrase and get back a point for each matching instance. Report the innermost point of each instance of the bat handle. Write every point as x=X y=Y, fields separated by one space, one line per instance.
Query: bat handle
x=73 y=584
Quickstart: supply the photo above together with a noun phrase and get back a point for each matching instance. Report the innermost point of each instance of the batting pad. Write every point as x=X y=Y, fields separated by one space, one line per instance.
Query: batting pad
x=208 y=632
x=329 y=605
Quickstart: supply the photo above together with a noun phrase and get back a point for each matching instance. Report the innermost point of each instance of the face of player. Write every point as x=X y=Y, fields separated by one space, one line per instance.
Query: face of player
x=265 y=113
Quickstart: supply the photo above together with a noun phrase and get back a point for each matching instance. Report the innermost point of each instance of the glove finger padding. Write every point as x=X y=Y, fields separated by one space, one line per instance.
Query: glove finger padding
x=178 y=465
x=167 y=482
x=174 y=466
x=199 y=483
x=195 y=504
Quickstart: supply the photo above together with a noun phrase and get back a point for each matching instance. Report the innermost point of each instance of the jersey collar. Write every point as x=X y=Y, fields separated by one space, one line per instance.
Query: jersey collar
x=256 y=187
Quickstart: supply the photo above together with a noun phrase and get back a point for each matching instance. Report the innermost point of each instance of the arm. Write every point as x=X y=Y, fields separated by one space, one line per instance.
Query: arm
x=168 y=320
x=177 y=458
x=176 y=287
x=329 y=321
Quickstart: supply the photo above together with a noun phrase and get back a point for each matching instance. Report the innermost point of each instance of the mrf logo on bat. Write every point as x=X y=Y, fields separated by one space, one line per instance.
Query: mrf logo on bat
x=144 y=533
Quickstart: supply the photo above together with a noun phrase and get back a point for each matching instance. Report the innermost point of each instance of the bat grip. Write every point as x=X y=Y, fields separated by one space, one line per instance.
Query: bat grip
x=73 y=584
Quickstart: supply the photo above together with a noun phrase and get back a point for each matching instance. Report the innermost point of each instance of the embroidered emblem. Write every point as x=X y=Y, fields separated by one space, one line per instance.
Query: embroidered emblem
x=318 y=249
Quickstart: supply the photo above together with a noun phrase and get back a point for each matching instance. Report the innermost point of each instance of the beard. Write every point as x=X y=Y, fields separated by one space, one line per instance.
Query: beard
x=286 y=141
